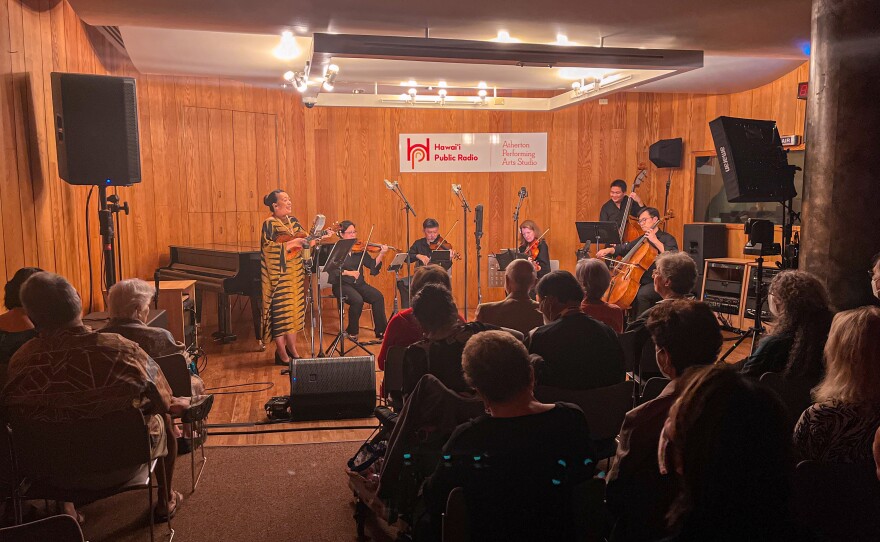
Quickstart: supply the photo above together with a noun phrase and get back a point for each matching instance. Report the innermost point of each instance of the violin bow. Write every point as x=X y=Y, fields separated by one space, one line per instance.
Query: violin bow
x=366 y=244
x=443 y=238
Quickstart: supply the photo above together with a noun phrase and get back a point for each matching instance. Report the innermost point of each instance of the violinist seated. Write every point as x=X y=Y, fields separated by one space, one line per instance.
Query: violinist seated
x=660 y=241
x=354 y=289
x=420 y=254
x=534 y=247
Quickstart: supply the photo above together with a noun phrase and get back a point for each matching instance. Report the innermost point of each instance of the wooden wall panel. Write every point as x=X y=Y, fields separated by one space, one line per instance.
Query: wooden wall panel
x=212 y=148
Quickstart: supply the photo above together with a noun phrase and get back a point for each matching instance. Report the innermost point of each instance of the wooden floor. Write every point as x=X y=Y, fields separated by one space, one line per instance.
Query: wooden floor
x=240 y=373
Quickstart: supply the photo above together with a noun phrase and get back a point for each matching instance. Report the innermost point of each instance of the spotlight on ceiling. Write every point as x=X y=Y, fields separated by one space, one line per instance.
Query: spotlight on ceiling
x=288 y=75
x=330 y=77
x=286 y=48
x=504 y=37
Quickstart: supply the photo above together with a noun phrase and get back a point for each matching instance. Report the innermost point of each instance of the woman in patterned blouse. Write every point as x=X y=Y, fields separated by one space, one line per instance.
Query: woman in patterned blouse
x=840 y=426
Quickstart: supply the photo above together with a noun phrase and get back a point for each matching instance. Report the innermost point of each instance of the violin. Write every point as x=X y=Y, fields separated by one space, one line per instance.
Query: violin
x=289 y=235
x=442 y=244
x=372 y=248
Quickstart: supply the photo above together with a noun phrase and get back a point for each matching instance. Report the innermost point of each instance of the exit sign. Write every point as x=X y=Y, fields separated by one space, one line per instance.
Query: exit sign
x=802 y=91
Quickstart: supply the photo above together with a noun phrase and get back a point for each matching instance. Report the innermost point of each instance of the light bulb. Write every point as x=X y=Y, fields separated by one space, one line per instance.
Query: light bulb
x=481 y=93
x=288 y=75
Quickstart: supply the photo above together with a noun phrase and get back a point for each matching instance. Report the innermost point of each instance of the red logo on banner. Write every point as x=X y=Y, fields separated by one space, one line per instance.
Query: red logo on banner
x=416 y=152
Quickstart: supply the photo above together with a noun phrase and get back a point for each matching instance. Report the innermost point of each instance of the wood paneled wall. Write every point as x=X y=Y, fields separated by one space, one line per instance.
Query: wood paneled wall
x=211 y=148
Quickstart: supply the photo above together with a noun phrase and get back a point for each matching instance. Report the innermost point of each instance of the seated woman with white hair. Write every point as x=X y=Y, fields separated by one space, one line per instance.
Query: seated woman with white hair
x=128 y=302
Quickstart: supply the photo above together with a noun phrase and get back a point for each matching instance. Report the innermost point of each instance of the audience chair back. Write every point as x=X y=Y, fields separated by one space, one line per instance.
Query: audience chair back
x=62 y=528
x=394 y=377
x=47 y=454
x=837 y=501
x=604 y=408
x=176 y=371
x=794 y=392
x=653 y=388
x=455 y=520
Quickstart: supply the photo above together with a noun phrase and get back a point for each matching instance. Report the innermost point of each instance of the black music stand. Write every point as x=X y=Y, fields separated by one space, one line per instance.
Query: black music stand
x=506 y=257
x=440 y=257
x=597 y=232
x=334 y=263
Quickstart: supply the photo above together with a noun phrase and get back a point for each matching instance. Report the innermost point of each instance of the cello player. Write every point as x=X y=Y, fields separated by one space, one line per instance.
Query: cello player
x=661 y=241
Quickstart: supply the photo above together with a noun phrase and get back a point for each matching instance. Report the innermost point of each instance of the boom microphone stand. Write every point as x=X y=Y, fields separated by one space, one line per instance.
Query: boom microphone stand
x=407 y=209
x=523 y=194
x=478 y=234
x=456 y=189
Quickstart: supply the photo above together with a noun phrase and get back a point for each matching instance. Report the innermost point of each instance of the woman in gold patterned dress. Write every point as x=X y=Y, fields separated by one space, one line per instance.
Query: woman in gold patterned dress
x=282 y=277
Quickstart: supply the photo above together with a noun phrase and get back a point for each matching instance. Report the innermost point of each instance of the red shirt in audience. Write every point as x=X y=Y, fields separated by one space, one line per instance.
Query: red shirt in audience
x=607 y=313
x=403 y=330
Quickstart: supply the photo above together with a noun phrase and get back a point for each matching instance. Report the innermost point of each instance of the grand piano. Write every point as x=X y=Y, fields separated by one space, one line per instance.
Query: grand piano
x=225 y=269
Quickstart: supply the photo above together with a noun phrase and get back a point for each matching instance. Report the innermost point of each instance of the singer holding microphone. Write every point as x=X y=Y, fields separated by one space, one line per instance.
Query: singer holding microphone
x=282 y=276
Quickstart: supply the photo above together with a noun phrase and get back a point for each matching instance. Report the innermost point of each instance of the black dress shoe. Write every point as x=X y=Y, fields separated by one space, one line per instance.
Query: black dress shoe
x=291 y=355
x=279 y=361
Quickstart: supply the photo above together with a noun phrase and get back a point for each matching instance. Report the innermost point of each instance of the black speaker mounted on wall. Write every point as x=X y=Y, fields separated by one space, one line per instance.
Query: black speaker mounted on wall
x=666 y=153
x=96 y=129
x=753 y=163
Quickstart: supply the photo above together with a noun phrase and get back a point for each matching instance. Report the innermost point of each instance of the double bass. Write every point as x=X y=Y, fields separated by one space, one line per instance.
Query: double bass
x=627 y=273
x=629 y=228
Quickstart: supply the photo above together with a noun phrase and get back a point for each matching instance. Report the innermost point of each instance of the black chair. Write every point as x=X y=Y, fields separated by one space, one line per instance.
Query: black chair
x=176 y=370
x=639 y=358
x=794 y=392
x=393 y=377
x=54 y=460
x=604 y=408
x=653 y=388
x=837 y=501
x=62 y=528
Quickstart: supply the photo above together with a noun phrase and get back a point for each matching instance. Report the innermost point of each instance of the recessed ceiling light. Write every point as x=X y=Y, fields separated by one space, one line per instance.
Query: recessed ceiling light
x=287 y=48
x=441 y=84
x=504 y=37
x=562 y=39
x=411 y=83
x=482 y=85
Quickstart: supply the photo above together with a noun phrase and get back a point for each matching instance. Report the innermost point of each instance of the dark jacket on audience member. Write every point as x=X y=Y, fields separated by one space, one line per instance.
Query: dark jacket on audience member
x=637 y=494
x=771 y=356
x=440 y=358
x=517 y=474
x=578 y=352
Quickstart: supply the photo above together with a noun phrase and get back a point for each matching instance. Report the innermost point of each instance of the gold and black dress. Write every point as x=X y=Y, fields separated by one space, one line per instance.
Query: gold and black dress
x=282 y=281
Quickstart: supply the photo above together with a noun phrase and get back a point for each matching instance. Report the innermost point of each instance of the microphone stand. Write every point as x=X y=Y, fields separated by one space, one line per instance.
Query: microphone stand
x=478 y=234
x=407 y=209
x=522 y=195
x=666 y=201
x=465 y=210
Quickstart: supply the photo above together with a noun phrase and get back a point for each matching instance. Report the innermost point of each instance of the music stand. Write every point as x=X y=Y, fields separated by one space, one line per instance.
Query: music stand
x=598 y=232
x=397 y=263
x=506 y=257
x=440 y=257
x=334 y=263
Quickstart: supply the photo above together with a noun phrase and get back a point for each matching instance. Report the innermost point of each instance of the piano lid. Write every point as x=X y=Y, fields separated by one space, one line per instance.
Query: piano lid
x=236 y=248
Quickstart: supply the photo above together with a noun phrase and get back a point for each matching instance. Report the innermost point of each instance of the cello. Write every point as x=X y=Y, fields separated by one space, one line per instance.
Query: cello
x=629 y=228
x=627 y=273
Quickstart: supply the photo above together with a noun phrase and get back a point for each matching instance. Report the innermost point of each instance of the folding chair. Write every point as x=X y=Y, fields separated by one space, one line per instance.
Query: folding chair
x=51 y=459
x=176 y=371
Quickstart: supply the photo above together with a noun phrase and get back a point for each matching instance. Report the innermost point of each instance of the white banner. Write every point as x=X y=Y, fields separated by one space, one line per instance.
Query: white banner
x=424 y=153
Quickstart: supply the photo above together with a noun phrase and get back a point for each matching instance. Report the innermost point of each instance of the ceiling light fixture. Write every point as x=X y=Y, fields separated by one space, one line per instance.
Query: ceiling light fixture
x=288 y=75
x=562 y=39
x=504 y=37
x=441 y=84
x=301 y=83
x=330 y=77
x=442 y=94
x=482 y=85
x=286 y=48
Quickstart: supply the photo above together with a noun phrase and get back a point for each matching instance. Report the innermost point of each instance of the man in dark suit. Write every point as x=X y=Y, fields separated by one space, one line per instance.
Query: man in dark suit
x=517 y=311
x=577 y=351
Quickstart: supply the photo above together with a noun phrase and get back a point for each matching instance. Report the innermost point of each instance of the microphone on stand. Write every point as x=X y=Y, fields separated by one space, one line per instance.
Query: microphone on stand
x=456 y=189
x=523 y=193
x=389 y=185
x=478 y=221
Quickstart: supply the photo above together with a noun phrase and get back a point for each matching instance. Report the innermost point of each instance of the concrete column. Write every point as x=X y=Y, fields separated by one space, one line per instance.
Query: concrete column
x=841 y=229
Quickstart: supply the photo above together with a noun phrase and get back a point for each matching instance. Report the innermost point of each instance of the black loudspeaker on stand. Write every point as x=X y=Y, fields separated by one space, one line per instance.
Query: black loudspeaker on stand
x=332 y=388
x=96 y=136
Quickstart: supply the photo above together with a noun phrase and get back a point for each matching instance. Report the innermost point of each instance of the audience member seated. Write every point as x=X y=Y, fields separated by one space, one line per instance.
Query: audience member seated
x=577 y=351
x=518 y=462
x=594 y=276
x=674 y=278
x=840 y=426
x=517 y=311
x=403 y=328
x=686 y=334
x=727 y=440
x=15 y=327
x=799 y=303
x=129 y=304
x=69 y=372
x=439 y=353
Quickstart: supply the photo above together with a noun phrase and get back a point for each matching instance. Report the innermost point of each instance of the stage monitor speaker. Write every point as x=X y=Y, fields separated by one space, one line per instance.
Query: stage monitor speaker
x=332 y=388
x=753 y=163
x=96 y=129
x=666 y=153
x=702 y=242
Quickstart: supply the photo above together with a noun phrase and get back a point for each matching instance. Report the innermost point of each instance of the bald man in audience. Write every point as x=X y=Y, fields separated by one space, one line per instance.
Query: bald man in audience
x=516 y=311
